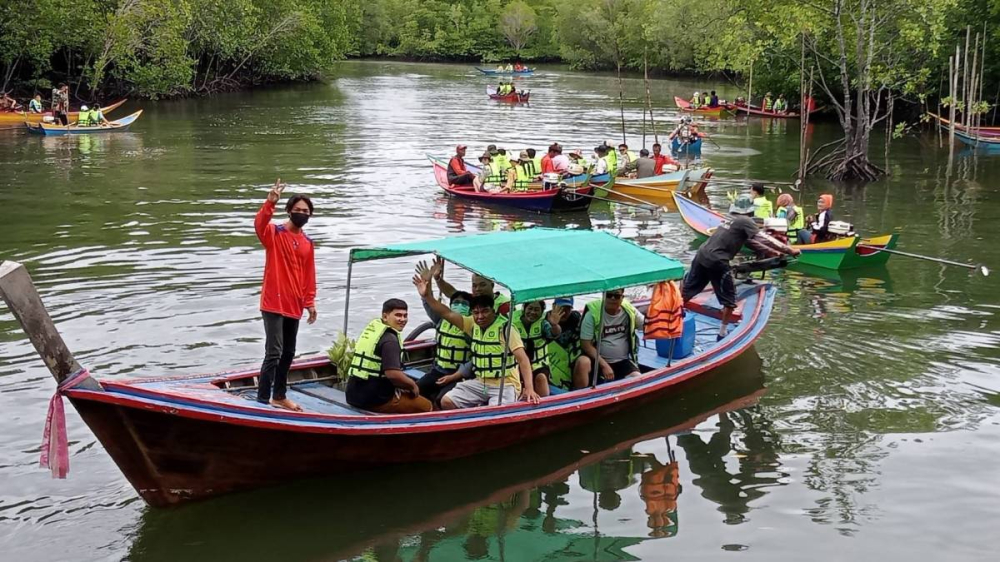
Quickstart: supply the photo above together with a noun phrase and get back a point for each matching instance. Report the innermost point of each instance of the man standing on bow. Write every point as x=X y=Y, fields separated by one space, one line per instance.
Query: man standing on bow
x=289 y=289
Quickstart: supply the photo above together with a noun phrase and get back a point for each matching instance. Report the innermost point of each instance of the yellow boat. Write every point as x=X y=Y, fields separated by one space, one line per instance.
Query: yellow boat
x=17 y=119
x=660 y=189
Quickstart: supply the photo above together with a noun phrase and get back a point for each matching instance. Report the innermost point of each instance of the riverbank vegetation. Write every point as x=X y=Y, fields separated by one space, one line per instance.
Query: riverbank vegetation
x=869 y=58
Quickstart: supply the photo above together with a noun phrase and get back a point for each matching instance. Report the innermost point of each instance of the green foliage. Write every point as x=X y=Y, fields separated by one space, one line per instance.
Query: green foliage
x=341 y=353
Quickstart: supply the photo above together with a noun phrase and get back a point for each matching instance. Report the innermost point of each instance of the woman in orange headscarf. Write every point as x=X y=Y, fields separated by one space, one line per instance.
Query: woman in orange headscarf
x=819 y=226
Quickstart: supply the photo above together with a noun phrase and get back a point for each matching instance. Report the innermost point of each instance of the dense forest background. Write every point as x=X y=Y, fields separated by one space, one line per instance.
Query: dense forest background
x=156 y=48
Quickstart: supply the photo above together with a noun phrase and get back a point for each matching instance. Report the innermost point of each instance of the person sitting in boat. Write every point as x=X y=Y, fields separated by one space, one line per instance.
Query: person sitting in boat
x=493 y=347
x=531 y=163
x=706 y=99
x=8 y=103
x=664 y=163
x=564 y=351
x=537 y=329
x=761 y=204
x=711 y=263
x=499 y=68
x=502 y=161
x=792 y=213
x=781 y=105
x=713 y=100
x=768 y=104
x=601 y=166
x=488 y=178
x=645 y=167
x=626 y=160
x=97 y=116
x=510 y=67
x=83 y=117
x=612 y=156
x=376 y=381
x=458 y=174
x=576 y=157
x=617 y=321
x=481 y=286
x=819 y=225
x=35 y=105
x=696 y=100
x=741 y=101
x=547 y=159
x=560 y=162
x=518 y=177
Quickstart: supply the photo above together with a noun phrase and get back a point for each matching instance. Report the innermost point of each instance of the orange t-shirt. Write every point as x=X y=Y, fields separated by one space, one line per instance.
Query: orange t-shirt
x=289 y=267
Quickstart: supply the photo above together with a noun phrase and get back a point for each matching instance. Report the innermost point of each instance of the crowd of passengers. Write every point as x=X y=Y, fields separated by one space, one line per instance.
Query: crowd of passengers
x=475 y=363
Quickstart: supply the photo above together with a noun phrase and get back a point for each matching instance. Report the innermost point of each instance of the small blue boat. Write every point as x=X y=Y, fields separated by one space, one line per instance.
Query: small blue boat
x=991 y=144
x=494 y=72
x=52 y=130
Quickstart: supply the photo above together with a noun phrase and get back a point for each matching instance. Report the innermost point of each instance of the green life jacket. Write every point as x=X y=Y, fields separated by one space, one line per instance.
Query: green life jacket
x=452 y=348
x=795 y=227
x=95 y=117
x=706 y=100
x=695 y=101
x=495 y=175
x=561 y=362
x=534 y=338
x=531 y=169
x=780 y=105
x=595 y=309
x=768 y=104
x=488 y=350
x=612 y=161
x=762 y=208
x=83 y=119
x=537 y=163
x=366 y=361
x=523 y=177
x=502 y=162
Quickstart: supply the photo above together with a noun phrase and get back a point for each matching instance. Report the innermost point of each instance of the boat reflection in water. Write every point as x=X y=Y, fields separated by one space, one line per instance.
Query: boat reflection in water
x=519 y=504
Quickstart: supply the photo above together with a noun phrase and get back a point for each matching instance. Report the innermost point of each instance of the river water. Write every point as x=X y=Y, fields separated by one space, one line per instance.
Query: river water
x=864 y=426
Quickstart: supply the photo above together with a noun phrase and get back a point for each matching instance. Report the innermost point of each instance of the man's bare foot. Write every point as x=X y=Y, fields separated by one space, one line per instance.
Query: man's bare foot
x=286 y=404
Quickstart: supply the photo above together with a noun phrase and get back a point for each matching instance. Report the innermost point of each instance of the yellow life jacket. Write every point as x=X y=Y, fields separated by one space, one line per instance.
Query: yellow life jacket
x=488 y=350
x=762 y=208
x=366 y=361
x=534 y=338
x=795 y=226
x=452 y=349
x=595 y=309
x=495 y=175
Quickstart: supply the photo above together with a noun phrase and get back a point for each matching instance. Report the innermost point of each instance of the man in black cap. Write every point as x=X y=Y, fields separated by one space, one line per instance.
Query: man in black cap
x=711 y=263
x=458 y=174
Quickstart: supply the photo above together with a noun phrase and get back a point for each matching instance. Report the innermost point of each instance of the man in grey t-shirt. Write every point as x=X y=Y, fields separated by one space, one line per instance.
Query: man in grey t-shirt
x=618 y=321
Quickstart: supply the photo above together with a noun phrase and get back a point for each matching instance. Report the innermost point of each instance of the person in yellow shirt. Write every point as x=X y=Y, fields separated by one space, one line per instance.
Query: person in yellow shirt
x=489 y=353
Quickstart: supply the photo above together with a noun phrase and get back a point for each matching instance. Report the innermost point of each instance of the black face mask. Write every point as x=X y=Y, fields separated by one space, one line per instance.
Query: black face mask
x=298 y=219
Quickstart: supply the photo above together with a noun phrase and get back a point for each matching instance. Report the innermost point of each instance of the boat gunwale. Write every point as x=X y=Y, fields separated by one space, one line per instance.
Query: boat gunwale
x=130 y=393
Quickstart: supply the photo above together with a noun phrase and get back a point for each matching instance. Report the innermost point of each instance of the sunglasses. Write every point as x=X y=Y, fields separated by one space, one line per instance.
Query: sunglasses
x=615 y=296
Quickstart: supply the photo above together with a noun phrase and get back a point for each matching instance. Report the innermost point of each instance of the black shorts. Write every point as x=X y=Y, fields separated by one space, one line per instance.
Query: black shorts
x=718 y=274
x=621 y=369
x=464 y=179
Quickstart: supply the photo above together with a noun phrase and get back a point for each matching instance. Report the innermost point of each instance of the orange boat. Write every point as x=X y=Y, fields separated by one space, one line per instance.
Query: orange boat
x=685 y=105
x=17 y=119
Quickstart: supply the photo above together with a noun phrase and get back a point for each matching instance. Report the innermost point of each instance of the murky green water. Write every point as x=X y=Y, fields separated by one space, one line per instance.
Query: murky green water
x=866 y=428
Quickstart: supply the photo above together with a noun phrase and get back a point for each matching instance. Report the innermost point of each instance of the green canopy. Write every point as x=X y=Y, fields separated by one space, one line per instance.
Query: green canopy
x=542 y=263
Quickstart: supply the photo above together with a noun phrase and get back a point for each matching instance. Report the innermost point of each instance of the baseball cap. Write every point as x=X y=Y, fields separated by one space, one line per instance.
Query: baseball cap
x=564 y=301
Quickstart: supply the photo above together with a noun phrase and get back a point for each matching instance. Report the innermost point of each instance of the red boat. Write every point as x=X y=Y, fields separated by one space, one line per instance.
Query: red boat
x=573 y=194
x=513 y=97
x=686 y=106
x=182 y=438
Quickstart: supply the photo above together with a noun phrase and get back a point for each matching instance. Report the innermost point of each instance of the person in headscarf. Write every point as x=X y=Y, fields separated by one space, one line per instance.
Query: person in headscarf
x=819 y=226
x=788 y=210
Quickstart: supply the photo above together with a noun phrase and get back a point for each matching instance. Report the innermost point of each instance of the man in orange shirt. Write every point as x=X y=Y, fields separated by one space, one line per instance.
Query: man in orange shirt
x=289 y=288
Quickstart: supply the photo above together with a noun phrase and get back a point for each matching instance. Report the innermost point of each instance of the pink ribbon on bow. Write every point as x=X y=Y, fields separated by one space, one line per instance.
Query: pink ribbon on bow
x=55 y=444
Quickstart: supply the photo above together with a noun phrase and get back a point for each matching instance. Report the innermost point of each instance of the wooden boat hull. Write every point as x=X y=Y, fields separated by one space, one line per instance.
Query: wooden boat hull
x=17 y=119
x=535 y=198
x=980 y=131
x=118 y=126
x=494 y=72
x=840 y=254
x=981 y=141
x=685 y=106
x=662 y=186
x=178 y=439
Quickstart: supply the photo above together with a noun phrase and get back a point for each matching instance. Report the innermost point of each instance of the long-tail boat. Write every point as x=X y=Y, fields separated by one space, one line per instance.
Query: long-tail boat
x=54 y=130
x=185 y=437
x=572 y=194
x=759 y=112
x=513 y=97
x=494 y=72
x=686 y=106
x=843 y=253
x=662 y=186
x=17 y=119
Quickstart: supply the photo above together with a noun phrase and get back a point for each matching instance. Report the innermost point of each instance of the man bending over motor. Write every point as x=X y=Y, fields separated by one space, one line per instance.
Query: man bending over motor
x=711 y=263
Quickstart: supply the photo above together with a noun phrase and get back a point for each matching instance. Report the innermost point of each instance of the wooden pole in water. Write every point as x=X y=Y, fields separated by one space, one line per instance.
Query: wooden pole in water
x=621 y=97
x=982 y=68
x=971 y=101
x=803 y=109
x=952 y=86
x=965 y=74
x=750 y=86
x=649 y=102
x=18 y=291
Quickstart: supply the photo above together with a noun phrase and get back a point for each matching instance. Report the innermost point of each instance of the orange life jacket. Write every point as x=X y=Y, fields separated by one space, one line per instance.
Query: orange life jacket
x=665 y=315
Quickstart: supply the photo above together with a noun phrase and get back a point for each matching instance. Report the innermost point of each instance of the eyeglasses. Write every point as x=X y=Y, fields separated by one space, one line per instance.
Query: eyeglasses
x=615 y=296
